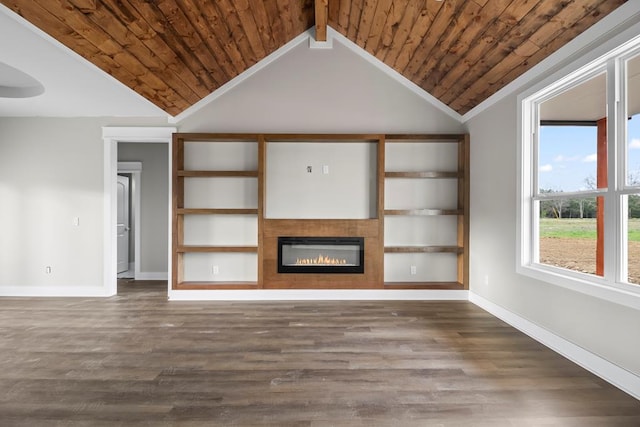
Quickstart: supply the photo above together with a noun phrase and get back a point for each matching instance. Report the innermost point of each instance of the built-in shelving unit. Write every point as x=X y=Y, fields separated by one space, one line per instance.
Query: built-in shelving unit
x=422 y=189
x=182 y=175
x=428 y=158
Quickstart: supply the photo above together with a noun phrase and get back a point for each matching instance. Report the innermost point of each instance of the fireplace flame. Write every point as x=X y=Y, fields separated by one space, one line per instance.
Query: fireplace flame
x=320 y=260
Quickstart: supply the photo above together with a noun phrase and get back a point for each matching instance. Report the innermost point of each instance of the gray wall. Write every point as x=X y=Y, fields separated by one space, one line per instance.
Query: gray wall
x=51 y=172
x=154 y=205
x=348 y=190
x=318 y=90
x=605 y=328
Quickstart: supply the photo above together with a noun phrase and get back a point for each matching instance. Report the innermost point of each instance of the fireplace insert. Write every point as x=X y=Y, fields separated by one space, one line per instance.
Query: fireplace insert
x=321 y=255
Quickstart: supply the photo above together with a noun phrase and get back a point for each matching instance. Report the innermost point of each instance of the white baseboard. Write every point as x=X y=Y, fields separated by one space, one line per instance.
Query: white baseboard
x=318 y=295
x=150 y=275
x=617 y=376
x=53 y=291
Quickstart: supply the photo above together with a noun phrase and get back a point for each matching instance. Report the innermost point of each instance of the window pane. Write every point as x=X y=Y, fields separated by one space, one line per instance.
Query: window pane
x=568 y=234
x=633 y=122
x=568 y=151
x=633 y=238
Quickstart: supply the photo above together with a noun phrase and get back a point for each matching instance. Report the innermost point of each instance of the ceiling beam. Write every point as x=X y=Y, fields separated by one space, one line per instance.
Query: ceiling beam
x=322 y=14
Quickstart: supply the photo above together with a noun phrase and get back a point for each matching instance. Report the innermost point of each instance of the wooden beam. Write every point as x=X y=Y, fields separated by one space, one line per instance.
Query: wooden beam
x=322 y=14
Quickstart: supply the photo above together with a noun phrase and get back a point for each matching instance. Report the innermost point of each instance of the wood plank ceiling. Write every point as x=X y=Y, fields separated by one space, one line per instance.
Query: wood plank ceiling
x=176 y=52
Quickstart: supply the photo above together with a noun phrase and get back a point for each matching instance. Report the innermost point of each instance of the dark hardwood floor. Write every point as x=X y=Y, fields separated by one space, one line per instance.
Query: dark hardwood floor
x=136 y=359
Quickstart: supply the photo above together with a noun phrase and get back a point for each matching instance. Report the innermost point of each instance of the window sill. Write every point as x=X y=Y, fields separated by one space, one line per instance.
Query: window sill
x=618 y=293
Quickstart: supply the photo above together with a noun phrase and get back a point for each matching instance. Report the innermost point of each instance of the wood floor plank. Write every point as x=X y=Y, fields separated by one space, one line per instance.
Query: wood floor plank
x=137 y=359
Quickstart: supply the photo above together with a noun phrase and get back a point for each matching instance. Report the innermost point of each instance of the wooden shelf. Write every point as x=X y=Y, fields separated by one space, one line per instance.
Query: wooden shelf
x=422 y=249
x=441 y=137
x=217 y=174
x=189 y=248
x=423 y=212
x=425 y=174
x=216 y=211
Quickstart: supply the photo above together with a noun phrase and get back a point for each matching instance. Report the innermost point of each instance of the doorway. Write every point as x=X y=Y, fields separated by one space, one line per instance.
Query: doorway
x=124 y=227
x=148 y=250
x=128 y=219
x=111 y=137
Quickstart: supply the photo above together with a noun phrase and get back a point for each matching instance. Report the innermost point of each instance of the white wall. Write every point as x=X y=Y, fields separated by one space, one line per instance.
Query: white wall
x=601 y=327
x=51 y=172
x=154 y=205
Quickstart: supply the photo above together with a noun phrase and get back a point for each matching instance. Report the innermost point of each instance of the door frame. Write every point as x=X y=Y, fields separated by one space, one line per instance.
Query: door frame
x=135 y=170
x=111 y=136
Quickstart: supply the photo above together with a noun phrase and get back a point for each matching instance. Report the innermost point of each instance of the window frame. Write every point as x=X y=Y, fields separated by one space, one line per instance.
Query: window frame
x=610 y=286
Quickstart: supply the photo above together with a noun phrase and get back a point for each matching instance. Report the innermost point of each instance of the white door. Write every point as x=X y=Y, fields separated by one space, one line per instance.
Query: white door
x=123 y=223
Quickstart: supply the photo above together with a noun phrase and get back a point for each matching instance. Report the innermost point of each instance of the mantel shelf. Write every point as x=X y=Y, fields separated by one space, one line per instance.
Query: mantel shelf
x=217 y=174
x=442 y=137
x=188 y=248
x=216 y=211
x=423 y=174
x=423 y=212
x=422 y=249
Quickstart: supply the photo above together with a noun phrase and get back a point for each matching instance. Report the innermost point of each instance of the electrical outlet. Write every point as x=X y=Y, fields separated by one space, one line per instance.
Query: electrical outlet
x=76 y=221
x=47 y=269
x=215 y=270
x=486 y=280
x=413 y=270
x=325 y=169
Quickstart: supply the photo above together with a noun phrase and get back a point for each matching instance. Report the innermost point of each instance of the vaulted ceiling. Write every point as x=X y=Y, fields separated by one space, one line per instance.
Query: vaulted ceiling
x=176 y=52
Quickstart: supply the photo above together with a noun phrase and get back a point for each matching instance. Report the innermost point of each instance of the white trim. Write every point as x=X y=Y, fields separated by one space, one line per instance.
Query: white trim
x=623 y=18
x=315 y=44
x=589 y=286
x=111 y=137
x=54 y=291
x=318 y=295
x=129 y=167
x=309 y=35
x=147 y=275
x=613 y=374
x=138 y=133
x=110 y=255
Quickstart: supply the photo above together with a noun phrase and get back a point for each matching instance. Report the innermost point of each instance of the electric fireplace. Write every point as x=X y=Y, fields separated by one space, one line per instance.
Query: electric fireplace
x=321 y=255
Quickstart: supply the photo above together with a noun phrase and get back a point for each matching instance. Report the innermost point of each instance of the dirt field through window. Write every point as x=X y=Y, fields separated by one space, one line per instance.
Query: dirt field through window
x=580 y=255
